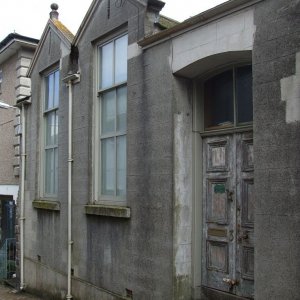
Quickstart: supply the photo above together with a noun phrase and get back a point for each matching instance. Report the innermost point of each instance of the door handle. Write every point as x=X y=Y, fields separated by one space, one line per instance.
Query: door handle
x=231 y=282
x=229 y=195
x=243 y=236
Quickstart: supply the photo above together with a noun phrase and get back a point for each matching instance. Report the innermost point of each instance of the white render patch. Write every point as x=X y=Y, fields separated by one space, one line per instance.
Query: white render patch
x=230 y=33
x=10 y=190
x=133 y=51
x=183 y=200
x=290 y=93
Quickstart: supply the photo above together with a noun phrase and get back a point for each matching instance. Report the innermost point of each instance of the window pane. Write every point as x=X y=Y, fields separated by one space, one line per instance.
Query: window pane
x=243 y=86
x=108 y=112
x=49 y=171
x=51 y=128
x=106 y=73
x=121 y=108
x=121 y=59
x=49 y=91
x=56 y=89
x=121 y=166
x=56 y=128
x=108 y=167
x=55 y=179
x=218 y=101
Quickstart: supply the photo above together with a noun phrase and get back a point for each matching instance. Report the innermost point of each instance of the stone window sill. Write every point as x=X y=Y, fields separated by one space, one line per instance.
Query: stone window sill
x=46 y=204
x=108 y=211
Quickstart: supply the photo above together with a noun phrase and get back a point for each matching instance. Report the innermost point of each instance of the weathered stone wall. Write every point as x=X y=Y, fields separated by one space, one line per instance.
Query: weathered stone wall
x=113 y=253
x=45 y=230
x=110 y=255
x=277 y=148
x=7 y=118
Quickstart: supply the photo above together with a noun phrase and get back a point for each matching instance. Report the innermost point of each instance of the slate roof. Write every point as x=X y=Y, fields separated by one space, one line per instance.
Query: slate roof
x=63 y=29
x=16 y=36
x=166 y=22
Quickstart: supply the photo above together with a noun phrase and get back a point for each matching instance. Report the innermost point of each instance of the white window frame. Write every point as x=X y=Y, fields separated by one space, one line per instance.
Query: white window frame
x=43 y=135
x=98 y=137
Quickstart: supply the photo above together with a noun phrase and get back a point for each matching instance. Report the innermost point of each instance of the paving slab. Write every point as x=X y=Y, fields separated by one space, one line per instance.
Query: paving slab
x=8 y=293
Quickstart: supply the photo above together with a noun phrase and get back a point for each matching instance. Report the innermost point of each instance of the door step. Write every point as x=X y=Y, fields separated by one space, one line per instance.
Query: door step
x=212 y=294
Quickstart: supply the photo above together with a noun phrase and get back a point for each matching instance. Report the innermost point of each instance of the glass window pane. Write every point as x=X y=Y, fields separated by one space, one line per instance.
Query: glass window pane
x=121 y=108
x=121 y=166
x=56 y=128
x=56 y=89
x=108 y=112
x=243 y=86
x=51 y=128
x=121 y=59
x=49 y=91
x=49 y=171
x=218 y=100
x=108 y=167
x=107 y=63
x=55 y=179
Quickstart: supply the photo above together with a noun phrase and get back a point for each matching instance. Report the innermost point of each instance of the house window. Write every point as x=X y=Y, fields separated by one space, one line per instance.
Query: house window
x=228 y=98
x=112 y=124
x=50 y=150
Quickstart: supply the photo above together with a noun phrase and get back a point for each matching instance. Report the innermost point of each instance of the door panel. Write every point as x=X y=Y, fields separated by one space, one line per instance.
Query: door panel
x=217 y=155
x=217 y=208
x=228 y=209
x=217 y=256
x=218 y=181
x=245 y=215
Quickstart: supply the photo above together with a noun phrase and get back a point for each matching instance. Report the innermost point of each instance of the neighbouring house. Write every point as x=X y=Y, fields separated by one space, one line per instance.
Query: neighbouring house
x=16 y=52
x=163 y=157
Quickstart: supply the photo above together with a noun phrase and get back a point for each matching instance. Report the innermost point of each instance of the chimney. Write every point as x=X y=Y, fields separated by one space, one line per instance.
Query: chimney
x=54 y=13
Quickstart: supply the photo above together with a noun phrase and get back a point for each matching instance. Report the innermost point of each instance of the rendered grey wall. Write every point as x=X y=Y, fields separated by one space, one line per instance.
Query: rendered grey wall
x=277 y=148
x=136 y=254
x=46 y=231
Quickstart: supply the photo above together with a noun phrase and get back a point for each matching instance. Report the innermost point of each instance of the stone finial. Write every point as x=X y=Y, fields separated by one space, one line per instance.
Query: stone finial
x=54 y=12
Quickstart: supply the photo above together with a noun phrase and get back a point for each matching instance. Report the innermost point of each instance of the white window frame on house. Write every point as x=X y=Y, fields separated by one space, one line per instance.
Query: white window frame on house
x=49 y=134
x=110 y=154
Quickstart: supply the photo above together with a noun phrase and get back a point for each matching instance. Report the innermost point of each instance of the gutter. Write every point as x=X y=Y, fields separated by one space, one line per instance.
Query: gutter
x=14 y=37
x=70 y=80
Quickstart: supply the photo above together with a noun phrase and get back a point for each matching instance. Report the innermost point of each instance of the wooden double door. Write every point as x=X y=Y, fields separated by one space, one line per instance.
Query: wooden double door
x=228 y=214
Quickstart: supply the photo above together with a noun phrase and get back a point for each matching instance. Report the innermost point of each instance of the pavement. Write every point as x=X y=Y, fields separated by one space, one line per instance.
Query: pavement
x=9 y=293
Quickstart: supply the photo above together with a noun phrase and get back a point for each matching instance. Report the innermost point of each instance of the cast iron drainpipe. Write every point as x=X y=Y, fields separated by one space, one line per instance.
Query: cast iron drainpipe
x=69 y=80
x=22 y=217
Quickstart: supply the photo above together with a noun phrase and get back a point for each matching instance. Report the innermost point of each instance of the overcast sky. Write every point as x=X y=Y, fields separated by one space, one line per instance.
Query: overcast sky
x=30 y=17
